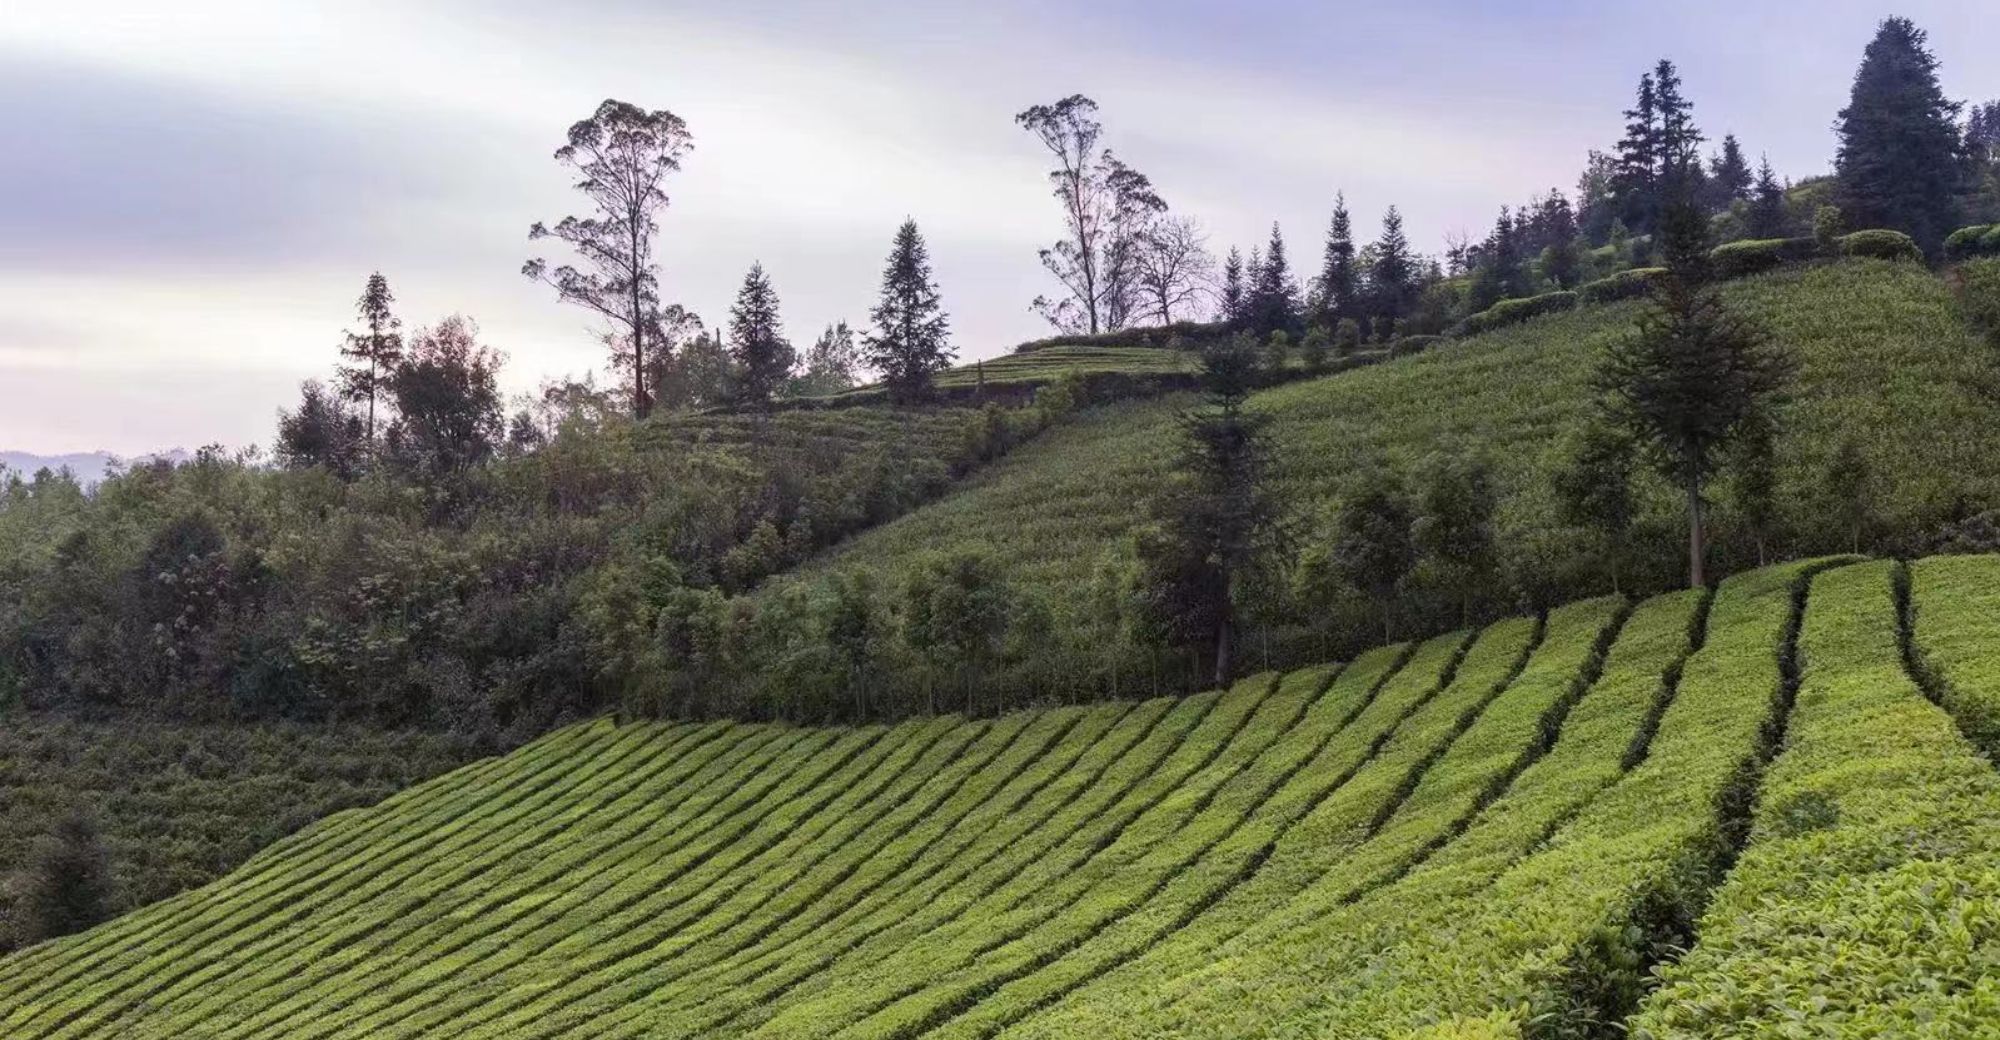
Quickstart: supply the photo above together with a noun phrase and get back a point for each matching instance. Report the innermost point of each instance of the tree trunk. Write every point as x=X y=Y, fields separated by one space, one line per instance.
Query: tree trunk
x=1696 y=578
x=1222 y=648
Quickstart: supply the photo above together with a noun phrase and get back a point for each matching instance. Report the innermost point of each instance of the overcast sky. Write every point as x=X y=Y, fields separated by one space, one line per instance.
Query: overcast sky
x=192 y=193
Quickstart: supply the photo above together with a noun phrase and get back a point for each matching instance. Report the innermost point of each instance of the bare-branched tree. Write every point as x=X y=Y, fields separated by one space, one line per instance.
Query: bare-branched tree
x=1107 y=206
x=624 y=154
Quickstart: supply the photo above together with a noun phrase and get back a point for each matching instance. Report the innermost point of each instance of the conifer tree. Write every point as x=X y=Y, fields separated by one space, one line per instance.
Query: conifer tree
x=911 y=340
x=1694 y=377
x=1635 y=184
x=1232 y=287
x=1767 y=203
x=1338 y=281
x=1729 y=176
x=1899 y=160
x=1499 y=275
x=1392 y=279
x=757 y=341
x=1660 y=154
x=1274 y=298
x=1679 y=140
x=374 y=352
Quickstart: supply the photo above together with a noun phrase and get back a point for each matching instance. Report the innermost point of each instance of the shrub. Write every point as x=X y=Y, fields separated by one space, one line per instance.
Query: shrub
x=1757 y=255
x=1624 y=285
x=1512 y=312
x=1157 y=336
x=1414 y=345
x=65 y=886
x=1881 y=245
x=1969 y=242
x=1827 y=227
x=1989 y=243
x=1977 y=285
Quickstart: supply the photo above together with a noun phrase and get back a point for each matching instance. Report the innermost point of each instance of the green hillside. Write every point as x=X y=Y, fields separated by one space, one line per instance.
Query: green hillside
x=1489 y=833
x=1885 y=361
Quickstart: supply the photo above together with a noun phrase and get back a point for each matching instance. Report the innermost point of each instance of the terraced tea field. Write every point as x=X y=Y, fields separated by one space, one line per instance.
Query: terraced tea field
x=1507 y=832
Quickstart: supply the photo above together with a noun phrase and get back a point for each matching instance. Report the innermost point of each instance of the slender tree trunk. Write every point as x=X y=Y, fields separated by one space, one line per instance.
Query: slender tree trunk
x=1223 y=636
x=1696 y=548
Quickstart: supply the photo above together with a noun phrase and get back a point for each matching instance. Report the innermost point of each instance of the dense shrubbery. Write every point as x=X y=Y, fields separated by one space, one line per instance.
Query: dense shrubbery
x=1625 y=285
x=174 y=806
x=1755 y=256
x=1978 y=240
x=478 y=600
x=1881 y=245
x=1188 y=333
x=1512 y=312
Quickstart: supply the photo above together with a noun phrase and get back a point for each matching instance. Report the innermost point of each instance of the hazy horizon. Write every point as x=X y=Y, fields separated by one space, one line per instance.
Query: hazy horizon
x=199 y=193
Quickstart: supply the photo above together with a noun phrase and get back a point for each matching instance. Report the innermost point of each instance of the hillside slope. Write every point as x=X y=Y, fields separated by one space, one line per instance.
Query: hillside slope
x=1884 y=360
x=1486 y=833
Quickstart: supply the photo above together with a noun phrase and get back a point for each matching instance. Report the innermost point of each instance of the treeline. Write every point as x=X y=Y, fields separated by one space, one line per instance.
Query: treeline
x=475 y=597
x=1910 y=160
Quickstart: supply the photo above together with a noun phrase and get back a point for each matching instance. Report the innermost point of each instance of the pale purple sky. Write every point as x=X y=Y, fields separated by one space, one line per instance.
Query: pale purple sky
x=193 y=193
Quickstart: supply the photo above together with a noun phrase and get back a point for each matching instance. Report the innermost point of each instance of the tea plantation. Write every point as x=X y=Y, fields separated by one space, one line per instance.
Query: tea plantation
x=1712 y=813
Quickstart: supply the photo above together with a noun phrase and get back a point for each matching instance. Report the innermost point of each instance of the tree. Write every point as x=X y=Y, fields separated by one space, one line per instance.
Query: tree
x=1176 y=272
x=1372 y=549
x=1659 y=157
x=321 y=432
x=1898 y=165
x=623 y=154
x=1729 y=177
x=957 y=608
x=1767 y=204
x=65 y=886
x=1753 y=484
x=1693 y=376
x=1594 y=489
x=447 y=399
x=1218 y=514
x=1453 y=529
x=1232 y=287
x=911 y=341
x=757 y=344
x=1106 y=205
x=1499 y=274
x=375 y=352
x=1562 y=260
x=1337 y=292
x=1846 y=484
x=1274 y=297
x=831 y=364
x=698 y=375
x=1392 y=277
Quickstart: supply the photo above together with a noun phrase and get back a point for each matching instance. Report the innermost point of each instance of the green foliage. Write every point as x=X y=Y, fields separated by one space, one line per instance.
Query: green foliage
x=173 y=806
x=1968 y=242
x=1977 y=286
x=1510 y=312
x=1756 y=256
x=1881 y=245
x=1625 y=285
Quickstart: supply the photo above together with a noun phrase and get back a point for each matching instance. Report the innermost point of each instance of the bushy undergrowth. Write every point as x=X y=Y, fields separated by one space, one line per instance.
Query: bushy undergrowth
x=483 y=602
x=178 y=805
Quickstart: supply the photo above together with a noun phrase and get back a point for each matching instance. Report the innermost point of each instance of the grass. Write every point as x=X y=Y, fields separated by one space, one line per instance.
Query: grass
x=1507 y=832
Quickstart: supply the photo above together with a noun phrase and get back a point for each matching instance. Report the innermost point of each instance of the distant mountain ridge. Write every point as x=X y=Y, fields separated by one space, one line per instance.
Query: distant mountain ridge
x=89 y=467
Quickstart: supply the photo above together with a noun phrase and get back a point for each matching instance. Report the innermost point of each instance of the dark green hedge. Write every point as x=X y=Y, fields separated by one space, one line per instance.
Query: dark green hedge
x=1757 y=255
x=1966 y=243
x=1881 y=245
x=1161 y=336
x=1621 y=286
x=1510 y=312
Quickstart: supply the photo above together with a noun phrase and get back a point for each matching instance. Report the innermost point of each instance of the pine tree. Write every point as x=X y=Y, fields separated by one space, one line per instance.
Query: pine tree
x=1338 y=279
x=757 y=341
x=1679 y=139
x=1899 y=160
x=1767 y=203
x=1635 y=184
x=1232 y=287
x=1274 y=298
x=911 y=341
x=1562 y=259
x=374 y=352
x=1393 y=275
x=1694 y=377
x=1499 y=275
x=1729 y=177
